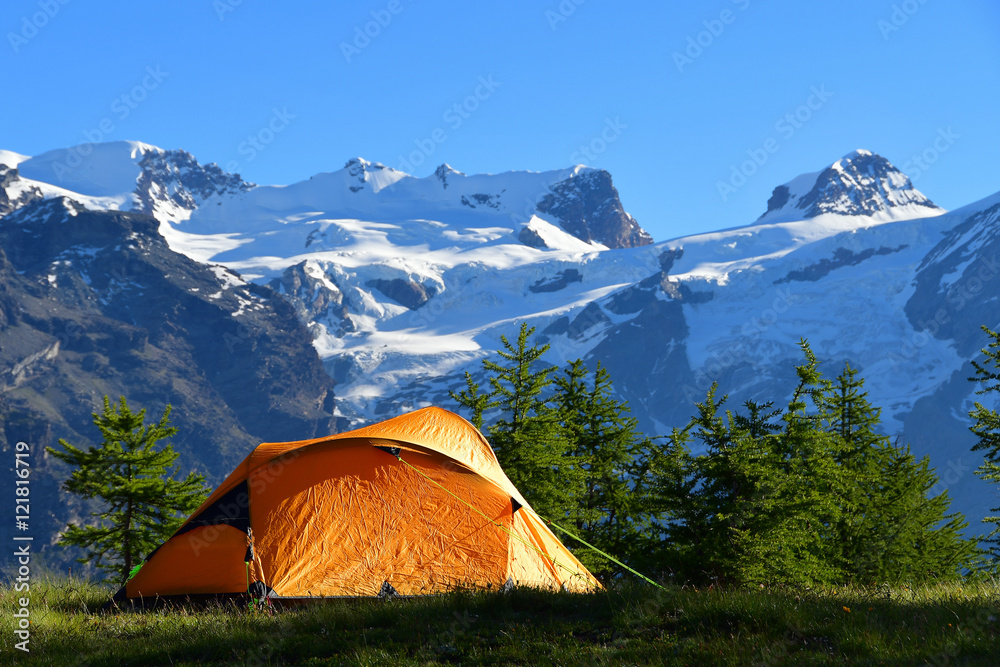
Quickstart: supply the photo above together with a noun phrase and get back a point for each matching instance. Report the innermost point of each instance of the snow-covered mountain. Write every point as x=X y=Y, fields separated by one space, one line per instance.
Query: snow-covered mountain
x=860 y=183
x=406 y=283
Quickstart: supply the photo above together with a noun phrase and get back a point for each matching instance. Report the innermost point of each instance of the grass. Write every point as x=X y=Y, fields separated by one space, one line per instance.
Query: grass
x=946 y=624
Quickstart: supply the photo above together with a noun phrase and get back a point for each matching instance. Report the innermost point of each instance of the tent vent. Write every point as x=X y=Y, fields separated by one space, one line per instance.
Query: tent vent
x=387 y=592
x=514 y=505
x=232 y=509
x=390 y=450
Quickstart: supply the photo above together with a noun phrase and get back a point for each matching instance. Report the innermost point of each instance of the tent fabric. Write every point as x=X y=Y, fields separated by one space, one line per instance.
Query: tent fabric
x=417 y=504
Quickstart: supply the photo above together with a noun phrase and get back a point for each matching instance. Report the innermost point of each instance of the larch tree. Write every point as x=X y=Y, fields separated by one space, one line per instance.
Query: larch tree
x=527 y=435
x=143 y=503
x=986 y=427
x=605 y=445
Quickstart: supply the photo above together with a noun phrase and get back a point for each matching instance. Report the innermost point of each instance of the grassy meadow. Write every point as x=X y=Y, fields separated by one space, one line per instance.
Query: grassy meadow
x=953 y=624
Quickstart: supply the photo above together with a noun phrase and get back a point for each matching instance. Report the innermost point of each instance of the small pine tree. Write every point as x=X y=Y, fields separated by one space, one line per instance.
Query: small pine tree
x=810 y=494
x=605 y=445
x=889 y=529
x=527 y=437
x=126 y=473
x=986 y=428
x=665 y=485
x=910 y=534
x=863 y=531
x=474 y=400
x=811 y=486
x=723 y=501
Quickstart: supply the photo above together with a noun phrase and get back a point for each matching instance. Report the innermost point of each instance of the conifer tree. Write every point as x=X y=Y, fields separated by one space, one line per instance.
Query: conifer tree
x=866 y=459
x=806 y=493
x=810 y=494
x=986 y=428
x=474 y=400
x=727 y=492
x=527 y=436
x=889 y=528
x=134 y=482
x=604 y=443
x=664 y=485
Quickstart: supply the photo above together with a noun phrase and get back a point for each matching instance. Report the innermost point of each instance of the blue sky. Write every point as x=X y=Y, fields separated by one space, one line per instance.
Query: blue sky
x=697 y=109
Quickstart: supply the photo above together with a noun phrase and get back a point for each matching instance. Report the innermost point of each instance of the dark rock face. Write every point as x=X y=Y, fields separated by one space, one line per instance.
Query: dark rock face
x=592 y=315
x=589 y=208
x=9 y=177
x=530 y=238
x=404 y=292
x=841 y=257
x=859 y=184
x=359 y=169
x=641 y=295
x=955 y=293
x=313 y=299
x=647 y=357
x=779 y=197
x=557 y=282
x=95 y=303
x=588 y=318
x=480 y=199
x=443 y=172
x=177 y=177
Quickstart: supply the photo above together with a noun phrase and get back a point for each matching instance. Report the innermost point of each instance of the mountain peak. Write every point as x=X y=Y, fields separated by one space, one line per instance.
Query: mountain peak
x=173 y=182
x=361 y=163
x=588 y=207
x=859 y=152
x=860 y=183
x=444 y=171
x=374 y=174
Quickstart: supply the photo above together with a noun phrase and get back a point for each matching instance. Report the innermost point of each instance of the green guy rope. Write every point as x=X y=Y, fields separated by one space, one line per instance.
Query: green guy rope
x=606 y=555
x=554 y=561
x=485 y=516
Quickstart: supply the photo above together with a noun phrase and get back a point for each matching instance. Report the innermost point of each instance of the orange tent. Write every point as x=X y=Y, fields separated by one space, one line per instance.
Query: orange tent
x=413 y=505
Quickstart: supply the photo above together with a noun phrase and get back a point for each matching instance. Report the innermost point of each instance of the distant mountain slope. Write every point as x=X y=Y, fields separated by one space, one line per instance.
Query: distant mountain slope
x=94 y=303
